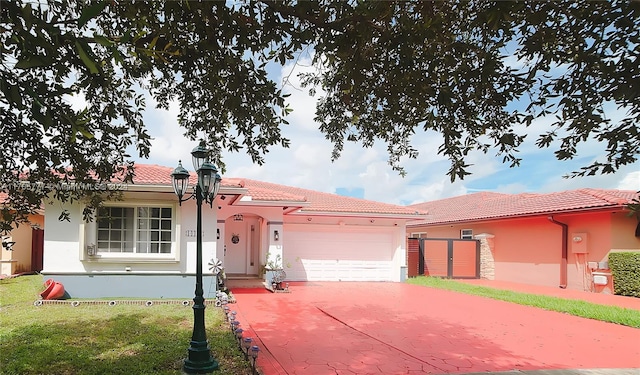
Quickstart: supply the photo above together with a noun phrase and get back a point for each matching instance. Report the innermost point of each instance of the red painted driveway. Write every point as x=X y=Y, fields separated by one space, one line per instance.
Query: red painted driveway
x=395 y=328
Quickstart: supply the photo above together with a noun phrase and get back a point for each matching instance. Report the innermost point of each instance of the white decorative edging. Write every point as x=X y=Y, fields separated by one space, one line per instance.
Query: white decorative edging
x=77 y=303
x=148 y=303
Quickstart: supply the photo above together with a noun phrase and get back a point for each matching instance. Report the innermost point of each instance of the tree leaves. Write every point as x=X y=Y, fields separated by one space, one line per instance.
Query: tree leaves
x=91 y=12
x=475 y=72
x=88 y=61
x=32 y=62
x=48 y=144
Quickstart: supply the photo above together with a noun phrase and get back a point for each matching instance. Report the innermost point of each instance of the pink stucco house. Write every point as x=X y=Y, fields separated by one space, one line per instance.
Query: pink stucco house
x=21 y=250
x=557 y=239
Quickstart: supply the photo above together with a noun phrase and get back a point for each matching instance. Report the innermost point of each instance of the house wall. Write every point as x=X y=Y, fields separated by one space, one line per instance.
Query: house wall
x=529 y=250
x=589 y=241
x=605 y=231
x=525 y=251
x=271 y=219
x=66 y=259
x=265 y=220
x=19 y=259
x=623 y=228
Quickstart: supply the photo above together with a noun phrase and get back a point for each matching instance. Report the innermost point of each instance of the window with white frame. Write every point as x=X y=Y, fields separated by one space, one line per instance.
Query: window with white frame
x=466 y=234
x=418 y=235
x=135 y=229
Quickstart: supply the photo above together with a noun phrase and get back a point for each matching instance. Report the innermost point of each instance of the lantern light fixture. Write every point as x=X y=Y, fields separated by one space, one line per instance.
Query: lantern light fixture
x=199 y=360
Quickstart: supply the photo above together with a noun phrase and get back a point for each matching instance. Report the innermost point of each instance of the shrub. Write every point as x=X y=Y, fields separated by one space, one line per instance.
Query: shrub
x=625 y=267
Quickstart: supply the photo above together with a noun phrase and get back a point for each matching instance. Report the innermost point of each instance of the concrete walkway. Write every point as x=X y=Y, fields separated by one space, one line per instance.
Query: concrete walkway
x=394 y=328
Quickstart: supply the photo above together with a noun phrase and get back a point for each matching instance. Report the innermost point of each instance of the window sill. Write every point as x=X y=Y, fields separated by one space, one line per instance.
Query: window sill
x=130 y=259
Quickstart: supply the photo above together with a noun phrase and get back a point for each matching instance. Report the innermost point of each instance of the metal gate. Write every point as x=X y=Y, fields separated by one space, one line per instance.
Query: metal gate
x=441 y=257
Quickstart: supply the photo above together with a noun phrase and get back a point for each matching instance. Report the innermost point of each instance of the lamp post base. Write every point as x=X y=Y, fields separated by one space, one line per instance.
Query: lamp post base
x=200 y=360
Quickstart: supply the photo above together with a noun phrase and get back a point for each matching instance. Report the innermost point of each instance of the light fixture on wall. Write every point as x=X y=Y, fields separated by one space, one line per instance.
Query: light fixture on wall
x=276 y=235
x=218 y=233
x=91 y=250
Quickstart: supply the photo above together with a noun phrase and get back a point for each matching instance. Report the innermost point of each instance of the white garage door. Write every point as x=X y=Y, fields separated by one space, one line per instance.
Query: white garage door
x=312 y=253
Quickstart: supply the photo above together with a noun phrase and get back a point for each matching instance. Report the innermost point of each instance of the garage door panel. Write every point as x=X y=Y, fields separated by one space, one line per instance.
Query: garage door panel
x=340 y=271
x=365 y=248
x=331 y=256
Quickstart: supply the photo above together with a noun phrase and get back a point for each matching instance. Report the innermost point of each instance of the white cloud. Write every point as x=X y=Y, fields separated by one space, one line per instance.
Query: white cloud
x=437 y=189
x=512 y=188
x=630 y=182
x=625 y=179
x=169 y=143
x=304 y=105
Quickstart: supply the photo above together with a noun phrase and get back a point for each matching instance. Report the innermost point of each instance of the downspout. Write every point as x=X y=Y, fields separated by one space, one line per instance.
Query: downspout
x=563 y=262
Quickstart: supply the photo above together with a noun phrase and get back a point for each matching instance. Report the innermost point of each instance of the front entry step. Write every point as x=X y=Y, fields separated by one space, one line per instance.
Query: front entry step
x=241 y=276
x=254 y=282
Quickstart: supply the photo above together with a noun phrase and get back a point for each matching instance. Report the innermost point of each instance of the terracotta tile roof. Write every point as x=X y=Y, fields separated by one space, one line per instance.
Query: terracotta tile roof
x=481 y=206
x=261 y=194
x=151 y=174
x=148 y=174
x=326 y=202
x=314 y=201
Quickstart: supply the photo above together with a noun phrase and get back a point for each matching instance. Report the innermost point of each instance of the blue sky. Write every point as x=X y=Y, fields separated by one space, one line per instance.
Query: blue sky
x=364 y=173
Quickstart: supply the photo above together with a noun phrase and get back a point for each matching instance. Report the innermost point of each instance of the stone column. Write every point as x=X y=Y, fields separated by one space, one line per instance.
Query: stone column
x=487 y=263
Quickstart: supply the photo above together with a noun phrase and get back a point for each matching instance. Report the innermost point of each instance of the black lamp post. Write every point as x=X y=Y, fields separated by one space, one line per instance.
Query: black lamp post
x=199 y=360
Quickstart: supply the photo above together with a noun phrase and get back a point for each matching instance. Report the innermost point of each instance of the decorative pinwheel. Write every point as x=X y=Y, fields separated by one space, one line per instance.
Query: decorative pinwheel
x=215 y=266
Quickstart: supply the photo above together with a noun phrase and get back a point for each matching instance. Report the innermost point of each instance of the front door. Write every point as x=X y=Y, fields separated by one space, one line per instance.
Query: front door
x=242 y=245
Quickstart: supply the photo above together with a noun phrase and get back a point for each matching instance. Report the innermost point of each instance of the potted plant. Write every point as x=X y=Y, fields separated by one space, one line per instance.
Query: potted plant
x=274 y=273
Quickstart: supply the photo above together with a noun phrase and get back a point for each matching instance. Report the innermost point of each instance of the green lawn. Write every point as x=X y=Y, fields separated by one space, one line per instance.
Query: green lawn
x=612 y=314
x=101 y=339
x=135 y=339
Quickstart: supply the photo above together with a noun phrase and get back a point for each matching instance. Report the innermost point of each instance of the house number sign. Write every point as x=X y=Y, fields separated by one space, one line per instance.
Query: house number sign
x=192 y=233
